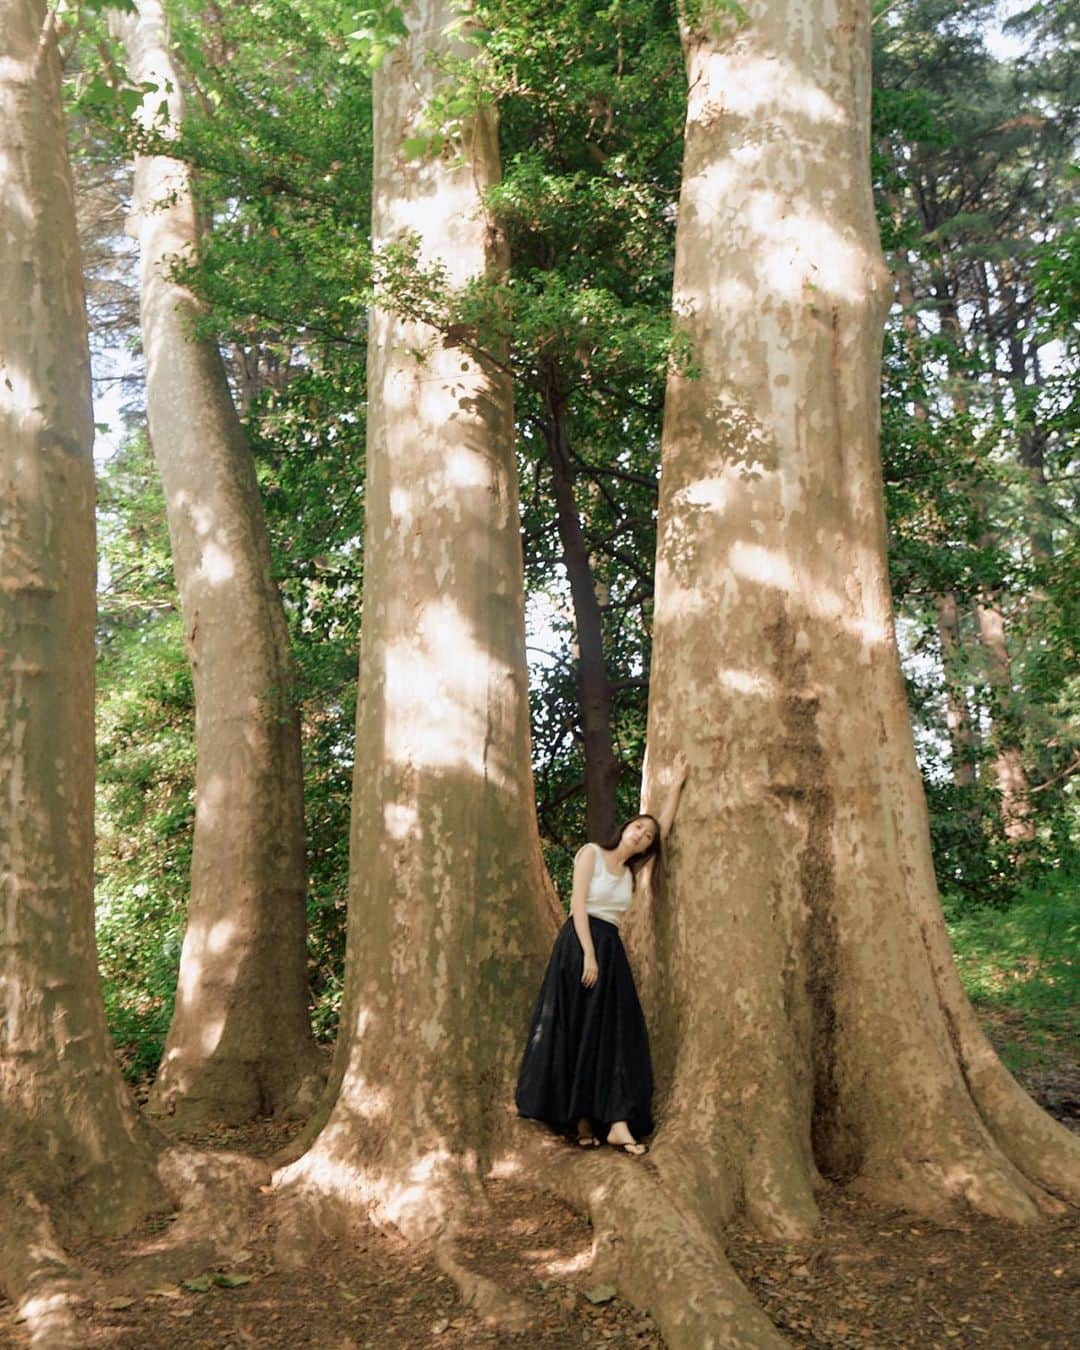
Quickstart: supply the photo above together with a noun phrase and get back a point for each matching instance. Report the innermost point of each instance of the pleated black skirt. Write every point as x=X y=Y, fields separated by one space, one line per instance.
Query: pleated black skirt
x=588 y=1049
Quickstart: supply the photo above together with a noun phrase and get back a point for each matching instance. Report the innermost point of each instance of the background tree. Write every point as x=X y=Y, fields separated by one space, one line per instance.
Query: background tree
x=239 y=1044
x=67 y=1130
x=968 y=183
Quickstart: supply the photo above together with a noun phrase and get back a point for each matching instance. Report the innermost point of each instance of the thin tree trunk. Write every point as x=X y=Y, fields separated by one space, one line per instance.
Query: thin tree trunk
x=240 y=1043
x=962 y=737
x=68 y=1132
x=1007 y=762
x=806 y=1017
x=1017 y=811
x=594 y=687
x=962 y=740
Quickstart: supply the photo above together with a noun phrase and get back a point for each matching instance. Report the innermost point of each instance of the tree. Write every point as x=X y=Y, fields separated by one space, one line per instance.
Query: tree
x=968 y=183
x=808 y=1018
x=240 y=1042
x=67 y=1129
x=446 y=901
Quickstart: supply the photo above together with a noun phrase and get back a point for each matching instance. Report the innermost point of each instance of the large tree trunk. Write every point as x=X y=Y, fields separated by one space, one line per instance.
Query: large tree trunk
x=240 y=1043
x=67 y=1129
x=807 y=1019
x=594 y=687
x=448 y=920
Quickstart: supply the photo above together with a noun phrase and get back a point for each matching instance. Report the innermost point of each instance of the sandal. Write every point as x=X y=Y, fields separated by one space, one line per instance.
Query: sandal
x=635 y=1148
x=588 y=1141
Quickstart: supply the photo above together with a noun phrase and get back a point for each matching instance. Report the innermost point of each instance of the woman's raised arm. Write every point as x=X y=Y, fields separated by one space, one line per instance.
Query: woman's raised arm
x=671 y=801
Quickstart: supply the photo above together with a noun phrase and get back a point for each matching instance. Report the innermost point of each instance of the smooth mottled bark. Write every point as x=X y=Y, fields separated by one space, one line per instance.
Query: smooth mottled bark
x=68 y=1131
x=807 y=1020
x=448 y=917
x=240 y=1043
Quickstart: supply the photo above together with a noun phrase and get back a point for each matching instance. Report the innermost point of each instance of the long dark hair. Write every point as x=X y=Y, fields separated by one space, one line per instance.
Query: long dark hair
x=638 y=860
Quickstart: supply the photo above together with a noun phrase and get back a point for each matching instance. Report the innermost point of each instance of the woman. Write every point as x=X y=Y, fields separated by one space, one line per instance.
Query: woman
x=586 y=1066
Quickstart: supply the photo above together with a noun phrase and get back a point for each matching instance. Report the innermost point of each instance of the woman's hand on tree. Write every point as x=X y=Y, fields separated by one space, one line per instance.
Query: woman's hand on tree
x=591 y=973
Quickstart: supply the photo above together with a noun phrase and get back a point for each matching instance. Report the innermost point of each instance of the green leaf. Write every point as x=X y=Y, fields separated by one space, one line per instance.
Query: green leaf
x=231 y=1280
x=200 y=1284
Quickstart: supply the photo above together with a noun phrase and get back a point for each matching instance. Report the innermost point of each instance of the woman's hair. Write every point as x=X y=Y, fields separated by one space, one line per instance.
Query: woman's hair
x=639 y=860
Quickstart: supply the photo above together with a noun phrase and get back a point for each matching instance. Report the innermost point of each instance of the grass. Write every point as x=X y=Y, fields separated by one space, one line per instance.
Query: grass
x=1021 y=969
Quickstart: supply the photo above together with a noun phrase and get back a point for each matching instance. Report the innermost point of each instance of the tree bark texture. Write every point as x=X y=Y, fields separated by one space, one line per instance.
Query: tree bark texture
x=448 y=918
x=240 y=1043
x=594 y=687
x=807 y=1019
x=67 y=1127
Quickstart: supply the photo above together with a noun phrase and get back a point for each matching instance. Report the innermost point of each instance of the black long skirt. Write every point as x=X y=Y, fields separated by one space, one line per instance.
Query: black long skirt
x=588 y=1050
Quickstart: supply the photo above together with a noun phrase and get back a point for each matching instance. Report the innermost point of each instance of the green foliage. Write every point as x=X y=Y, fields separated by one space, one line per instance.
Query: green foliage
x=1025 y=961
x=146 y=762
x=978 y=418
x=972 y=198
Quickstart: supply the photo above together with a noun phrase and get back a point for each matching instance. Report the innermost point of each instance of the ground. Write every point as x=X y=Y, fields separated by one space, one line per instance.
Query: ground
x=872 y=1278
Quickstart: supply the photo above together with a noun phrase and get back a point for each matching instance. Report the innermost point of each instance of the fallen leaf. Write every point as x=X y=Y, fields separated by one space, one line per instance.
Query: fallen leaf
x=199 y=1284
x=600 y=1293
x=119 y=1304
x=164 y=1291
x=228 y=1279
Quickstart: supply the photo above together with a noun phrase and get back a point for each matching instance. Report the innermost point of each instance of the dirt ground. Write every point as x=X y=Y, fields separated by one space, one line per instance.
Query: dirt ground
x=871 y=1278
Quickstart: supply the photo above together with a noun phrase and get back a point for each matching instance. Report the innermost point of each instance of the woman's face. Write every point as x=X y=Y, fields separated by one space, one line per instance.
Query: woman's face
x=639 y=834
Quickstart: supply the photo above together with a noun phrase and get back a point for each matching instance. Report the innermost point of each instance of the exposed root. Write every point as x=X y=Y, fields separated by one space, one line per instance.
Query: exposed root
x=36 y=1275
x=937 y=1187
x=776 y=1183
x=1040 y=1146
x=661 y=1256
x=214 y=1195
x=492 y=1302
x=313 y=1205
x=1045 y=1153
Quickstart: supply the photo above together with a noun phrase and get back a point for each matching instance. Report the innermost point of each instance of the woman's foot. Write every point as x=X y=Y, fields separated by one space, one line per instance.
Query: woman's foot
x=585 y=1136
x=619 y=1136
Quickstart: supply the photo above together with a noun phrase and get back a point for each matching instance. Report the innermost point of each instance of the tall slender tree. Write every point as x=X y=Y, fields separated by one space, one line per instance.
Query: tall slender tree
x=240 y=1042
x=808 y=1018
x=67 y=1128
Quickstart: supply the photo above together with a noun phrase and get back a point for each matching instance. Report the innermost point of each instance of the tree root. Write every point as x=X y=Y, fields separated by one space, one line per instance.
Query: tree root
x=1039 y=1146
x=312 y=1205
x=660 y=1257
x=489 y=1299
x=36 y=1274
x=213 y=1194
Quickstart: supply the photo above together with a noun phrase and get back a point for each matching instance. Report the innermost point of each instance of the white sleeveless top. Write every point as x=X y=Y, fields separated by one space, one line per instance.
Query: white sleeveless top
x=609 y=896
